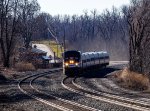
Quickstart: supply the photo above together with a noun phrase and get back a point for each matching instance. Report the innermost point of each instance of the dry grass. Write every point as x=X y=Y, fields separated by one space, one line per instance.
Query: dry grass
x=133 y=80
x=24 y=66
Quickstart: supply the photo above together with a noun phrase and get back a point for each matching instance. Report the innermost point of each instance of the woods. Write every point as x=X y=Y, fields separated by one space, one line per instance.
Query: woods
x=89 y=32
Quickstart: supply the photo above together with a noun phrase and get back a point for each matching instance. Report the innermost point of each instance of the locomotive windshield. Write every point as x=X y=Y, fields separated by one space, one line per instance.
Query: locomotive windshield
x=72 y=55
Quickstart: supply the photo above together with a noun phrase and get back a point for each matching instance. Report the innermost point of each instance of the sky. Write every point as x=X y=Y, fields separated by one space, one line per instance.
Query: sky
x=71 y=7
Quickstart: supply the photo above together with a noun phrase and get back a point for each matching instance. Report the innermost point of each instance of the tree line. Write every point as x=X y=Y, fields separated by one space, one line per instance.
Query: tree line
x=88 y=32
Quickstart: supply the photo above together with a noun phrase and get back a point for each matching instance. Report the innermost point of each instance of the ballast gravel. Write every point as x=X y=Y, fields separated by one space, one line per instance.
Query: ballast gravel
x=51 y=84
x=12 y=99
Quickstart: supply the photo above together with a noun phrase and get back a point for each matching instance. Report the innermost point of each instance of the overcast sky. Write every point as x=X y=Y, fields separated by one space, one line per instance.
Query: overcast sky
x=70 y=7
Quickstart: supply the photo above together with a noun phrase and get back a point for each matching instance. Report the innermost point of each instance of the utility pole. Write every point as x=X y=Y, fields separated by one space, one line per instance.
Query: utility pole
x=57 y=48
x=54 y=57
x=64 y=38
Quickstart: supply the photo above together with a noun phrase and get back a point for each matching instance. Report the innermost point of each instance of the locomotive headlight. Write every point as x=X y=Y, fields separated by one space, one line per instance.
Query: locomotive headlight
x=66 y=64
x=76 y=64
x=71 y=61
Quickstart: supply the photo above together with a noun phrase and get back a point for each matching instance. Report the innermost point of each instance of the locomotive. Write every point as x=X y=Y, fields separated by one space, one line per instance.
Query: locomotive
x=75 y=61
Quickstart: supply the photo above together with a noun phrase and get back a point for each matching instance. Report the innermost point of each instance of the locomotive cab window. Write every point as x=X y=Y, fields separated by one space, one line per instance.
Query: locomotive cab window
x=72 y=55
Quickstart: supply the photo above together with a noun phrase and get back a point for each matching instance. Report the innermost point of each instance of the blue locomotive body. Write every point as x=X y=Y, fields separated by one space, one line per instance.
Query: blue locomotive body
x=75 y=61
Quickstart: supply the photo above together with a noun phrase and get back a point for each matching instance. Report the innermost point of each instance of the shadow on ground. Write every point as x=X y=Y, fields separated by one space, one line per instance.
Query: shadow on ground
x=101 y=73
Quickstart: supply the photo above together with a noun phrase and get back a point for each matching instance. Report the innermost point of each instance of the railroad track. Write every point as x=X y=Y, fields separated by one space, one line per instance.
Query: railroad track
x=27 y=88
x=69 y=83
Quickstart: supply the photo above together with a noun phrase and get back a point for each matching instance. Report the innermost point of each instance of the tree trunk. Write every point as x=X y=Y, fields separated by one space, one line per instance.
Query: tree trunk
x=6 y=63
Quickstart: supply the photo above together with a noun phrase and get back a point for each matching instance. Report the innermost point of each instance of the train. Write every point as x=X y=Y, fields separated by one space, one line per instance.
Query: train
x=75 y=62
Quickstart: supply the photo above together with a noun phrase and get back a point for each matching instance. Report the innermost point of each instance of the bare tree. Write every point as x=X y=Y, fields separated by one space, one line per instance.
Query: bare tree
x=28 y=12
x=8 y=28
x=139 y=25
